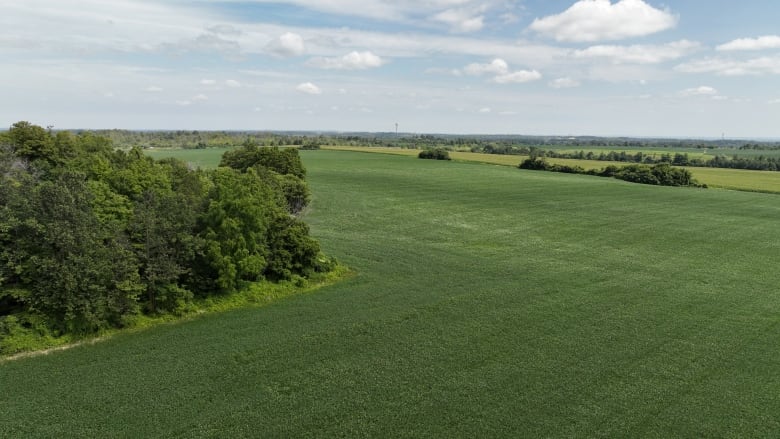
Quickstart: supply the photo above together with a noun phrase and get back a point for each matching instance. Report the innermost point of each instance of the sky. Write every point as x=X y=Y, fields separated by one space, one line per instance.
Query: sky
x=643 y=68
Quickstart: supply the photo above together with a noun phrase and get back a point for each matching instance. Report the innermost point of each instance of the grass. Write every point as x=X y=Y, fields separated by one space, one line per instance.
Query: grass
x=488 y=301
x=734 y=179
x=739 y=179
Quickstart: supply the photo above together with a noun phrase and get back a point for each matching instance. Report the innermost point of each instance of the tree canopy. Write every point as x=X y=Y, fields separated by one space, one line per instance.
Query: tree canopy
x=91 y=236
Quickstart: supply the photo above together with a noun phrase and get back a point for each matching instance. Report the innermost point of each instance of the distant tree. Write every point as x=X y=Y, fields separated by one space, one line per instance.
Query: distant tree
x=534 y=163
x=434 y=154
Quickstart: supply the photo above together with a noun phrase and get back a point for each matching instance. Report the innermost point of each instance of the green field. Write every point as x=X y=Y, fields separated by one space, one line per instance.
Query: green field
x=735 y=179
x=488 y=301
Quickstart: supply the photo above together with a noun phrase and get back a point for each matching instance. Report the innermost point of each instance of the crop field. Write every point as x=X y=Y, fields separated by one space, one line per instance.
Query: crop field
x=735 y=179
x=488 y=301
x=738 y=179
x=493 y=159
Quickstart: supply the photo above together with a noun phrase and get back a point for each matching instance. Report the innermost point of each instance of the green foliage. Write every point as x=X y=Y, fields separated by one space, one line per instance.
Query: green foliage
x=292 y=251
x=78 y=275
x=434 y=154
x=758 y=162
x=31 y=142
x=660 y=175
x=26 y=331
x=235 y=226
x=280 y=160
x=296 y=191
x=535 y=164
x=91 y=237
x=281 y=168
x=540 y=164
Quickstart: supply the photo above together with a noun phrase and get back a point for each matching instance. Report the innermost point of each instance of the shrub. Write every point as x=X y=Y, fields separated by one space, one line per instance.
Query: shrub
x=660 y=175
x=535 y=164
x=434 y=154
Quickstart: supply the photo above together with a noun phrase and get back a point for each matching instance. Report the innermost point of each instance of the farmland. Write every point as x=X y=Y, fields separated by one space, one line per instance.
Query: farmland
x=488 y=301
x=736 y=179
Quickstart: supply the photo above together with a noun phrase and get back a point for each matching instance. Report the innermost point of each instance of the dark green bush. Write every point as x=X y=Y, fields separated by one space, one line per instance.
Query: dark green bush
x=535 y=164
x=434 y=154
x=660 y=175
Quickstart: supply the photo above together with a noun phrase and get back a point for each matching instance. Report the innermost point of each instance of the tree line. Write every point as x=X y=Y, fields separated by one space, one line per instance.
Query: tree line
x=660 y=175
x=756 y=163
x=490 y=144
x=92 y=236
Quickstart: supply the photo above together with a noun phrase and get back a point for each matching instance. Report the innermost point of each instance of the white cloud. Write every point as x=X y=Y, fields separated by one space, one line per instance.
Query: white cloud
x=703 y=90
x=377 y=9
x=386 y=10
x=143 y=28
x=288 y=44
x=639 y=54
x=728 y=67
x=760 y=43
x=308 y=88
x=601 y=20
x=208 y=81
x=485 y=110
x=200 y=97
x=564 y=83
x=351 y=61
x=232 y=83
x=154 y=89
x=774 y=102
x=518 y=77
x=461 y=20
x=498 y=67
x=184 y=103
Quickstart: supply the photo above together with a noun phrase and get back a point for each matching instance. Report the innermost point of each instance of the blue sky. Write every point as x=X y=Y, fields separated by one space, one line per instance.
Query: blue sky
x=684 y=68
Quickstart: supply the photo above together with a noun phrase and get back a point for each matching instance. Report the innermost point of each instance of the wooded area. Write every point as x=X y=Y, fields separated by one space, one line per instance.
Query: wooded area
x=91 y=236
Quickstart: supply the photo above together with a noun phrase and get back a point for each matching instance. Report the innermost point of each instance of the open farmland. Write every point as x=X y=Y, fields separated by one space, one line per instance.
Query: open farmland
x=488 y=301
x=735 y=179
